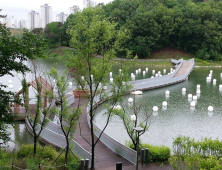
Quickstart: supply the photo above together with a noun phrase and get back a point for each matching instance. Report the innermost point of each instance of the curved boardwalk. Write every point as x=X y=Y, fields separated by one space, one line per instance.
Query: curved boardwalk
x=105 y=158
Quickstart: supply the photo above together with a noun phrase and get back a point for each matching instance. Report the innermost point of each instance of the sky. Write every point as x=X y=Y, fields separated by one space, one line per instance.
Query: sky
x=20 y=8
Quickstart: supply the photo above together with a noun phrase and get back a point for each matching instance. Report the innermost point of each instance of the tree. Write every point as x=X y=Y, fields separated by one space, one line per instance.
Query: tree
x=91 y=34
x=13 y=53
x=39 y=119
x=134 y=114
x=68 y=121
x=53 y=34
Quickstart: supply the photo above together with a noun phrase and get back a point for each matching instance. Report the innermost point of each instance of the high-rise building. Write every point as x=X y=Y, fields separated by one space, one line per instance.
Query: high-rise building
x=89 y=3
x=74 y=9
x=10 y=21
x=45 y=15
x=22 y=24
x=61 y=17
x=33 y=20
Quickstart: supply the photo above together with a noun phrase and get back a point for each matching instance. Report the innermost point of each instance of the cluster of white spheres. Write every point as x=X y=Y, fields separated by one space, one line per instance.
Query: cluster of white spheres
x=118 y=107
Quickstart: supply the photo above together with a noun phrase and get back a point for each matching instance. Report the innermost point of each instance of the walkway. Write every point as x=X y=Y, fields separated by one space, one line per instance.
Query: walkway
x=105 y=158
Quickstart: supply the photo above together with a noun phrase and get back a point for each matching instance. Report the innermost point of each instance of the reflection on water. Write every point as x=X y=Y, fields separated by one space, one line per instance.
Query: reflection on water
x=19 y=135
x=179 y=118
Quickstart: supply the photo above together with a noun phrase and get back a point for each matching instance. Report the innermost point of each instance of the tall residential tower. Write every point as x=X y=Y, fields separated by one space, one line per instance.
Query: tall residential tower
x=33 y=20
x=46 y=15
x=61 y=17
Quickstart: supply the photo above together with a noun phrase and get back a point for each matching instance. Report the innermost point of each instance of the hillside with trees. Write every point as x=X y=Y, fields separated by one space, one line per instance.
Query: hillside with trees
x=194 y=26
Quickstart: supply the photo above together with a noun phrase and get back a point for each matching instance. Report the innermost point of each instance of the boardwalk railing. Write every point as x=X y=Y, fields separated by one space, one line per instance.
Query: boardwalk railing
x=143 y=84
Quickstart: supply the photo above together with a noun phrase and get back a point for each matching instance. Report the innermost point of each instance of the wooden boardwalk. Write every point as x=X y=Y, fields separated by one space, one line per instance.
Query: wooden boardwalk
x=105 y=158
x=184 y=68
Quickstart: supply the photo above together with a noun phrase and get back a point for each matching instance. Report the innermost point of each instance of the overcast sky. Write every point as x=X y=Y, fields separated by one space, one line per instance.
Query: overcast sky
x=20 y=8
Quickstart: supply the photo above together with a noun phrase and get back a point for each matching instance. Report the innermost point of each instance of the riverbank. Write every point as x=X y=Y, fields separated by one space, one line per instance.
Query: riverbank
x=160 y=58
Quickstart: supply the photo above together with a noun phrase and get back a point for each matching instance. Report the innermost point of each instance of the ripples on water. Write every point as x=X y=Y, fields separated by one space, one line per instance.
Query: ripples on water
x=179 y=118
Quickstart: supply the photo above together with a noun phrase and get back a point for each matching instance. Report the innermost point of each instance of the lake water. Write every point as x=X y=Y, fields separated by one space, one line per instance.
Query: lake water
x=178 y=119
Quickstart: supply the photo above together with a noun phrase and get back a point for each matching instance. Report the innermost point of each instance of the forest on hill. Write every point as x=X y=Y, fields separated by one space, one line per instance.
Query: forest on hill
x=194 y=26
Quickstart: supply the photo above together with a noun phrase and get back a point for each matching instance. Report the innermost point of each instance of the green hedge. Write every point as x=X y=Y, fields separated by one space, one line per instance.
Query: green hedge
x=156 y=153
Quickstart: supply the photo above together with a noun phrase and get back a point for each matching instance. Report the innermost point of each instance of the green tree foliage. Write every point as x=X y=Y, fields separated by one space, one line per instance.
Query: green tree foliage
x=53 y=33
x=91 y=33
x=191 y=25
x=13 y=53
x=201 y=154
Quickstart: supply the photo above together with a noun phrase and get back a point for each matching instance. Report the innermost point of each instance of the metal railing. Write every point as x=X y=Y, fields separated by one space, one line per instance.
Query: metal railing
x=143 y=84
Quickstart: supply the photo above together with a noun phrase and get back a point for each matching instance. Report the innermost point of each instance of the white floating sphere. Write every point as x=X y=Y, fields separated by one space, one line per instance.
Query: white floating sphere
x=198 y=91
x=156 y=75
x=198 y=86
x=152 y=77
x=164 y=70
x=91 y=76
x=192 y=103
x=118 y=107
x=120 y=70
x=153 y=71
x=146 y=69
x=111 y=73
x=111 y=80
x=159 y=72
x=194 y=97
x=190 y=95
x=130 y=100
x=9 y=81
x=221 y=74
x=155 y=108
x=144 y=72
x=70 y=83
x=214 y=80
x=210 y=75
x=164 y=103
x=220 y=86
x=10 y=86
x=184 y=89
x=210 y=108
x=167 y=92
x=208 y=78
x=82 y=78
x=54 y=81
x=133 y=117
x=211 y=71
x=171 y=69
x=139 y=70
x=136 y=71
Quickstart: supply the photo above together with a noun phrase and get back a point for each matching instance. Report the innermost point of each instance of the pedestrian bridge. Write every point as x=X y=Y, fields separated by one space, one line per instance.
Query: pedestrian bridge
x=52 y=132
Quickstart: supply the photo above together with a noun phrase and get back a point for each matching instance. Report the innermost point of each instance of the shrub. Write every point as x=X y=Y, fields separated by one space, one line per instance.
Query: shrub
x=47 y=152
x=73 y=163
x=156 y=153
x=25 y=151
